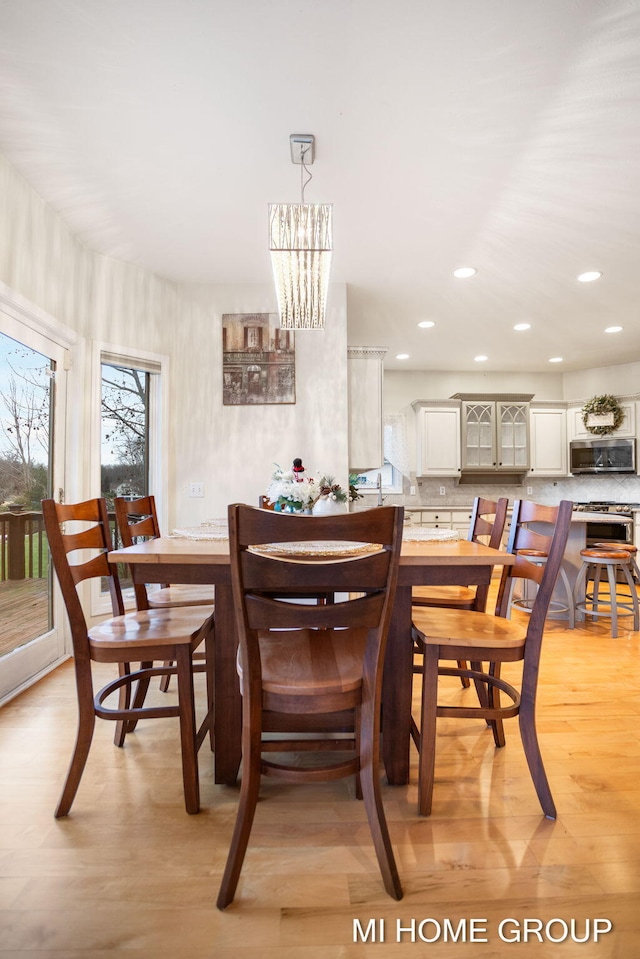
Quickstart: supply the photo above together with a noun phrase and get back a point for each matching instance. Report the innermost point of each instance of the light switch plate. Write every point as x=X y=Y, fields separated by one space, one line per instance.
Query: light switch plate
x=196 y=489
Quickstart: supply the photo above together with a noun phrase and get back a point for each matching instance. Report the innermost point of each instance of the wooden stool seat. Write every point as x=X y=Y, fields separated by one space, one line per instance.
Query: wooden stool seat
x=627 y=547
x=605 y=553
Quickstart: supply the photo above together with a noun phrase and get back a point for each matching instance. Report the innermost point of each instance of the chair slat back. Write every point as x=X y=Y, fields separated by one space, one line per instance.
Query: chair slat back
x=488 y=521
x=550 y=537
x=137 y=520
x=71 y=569
x=266 y=585
x=487 y=526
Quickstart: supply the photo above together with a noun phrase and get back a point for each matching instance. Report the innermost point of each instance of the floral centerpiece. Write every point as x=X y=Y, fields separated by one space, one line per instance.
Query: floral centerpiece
x=290 y=494
x=354 y=492
x=329 y=489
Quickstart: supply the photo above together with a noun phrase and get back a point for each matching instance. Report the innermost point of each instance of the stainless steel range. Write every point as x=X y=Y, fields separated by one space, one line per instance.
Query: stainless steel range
x=608 y=532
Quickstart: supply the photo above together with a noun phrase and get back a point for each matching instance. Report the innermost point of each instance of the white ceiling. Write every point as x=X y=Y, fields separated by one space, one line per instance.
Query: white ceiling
x=498 y=133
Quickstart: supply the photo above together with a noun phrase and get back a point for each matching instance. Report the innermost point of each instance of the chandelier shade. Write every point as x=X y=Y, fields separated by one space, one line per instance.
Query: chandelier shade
x=300 y=242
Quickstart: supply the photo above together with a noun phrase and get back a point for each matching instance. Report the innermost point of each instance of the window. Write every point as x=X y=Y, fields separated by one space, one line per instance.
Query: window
x=130 y=435
x=391 y=478
x=124 y=431
x=252 y=338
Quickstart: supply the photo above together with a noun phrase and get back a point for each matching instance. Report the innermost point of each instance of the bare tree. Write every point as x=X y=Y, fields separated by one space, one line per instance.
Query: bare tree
x=25 y=425
x=124 y=410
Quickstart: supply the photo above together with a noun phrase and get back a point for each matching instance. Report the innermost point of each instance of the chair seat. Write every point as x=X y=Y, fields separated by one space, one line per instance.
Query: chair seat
x=443 y=596
x=452 y=627
x=149 y=628
x=311 y=662
x=180 y=595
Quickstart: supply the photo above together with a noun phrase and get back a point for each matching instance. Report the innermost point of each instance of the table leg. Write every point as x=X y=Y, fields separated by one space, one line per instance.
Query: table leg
x=227 y=701
x=397 y=690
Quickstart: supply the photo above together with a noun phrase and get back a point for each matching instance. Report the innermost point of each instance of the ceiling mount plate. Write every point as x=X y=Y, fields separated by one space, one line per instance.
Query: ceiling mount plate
x=302 y=148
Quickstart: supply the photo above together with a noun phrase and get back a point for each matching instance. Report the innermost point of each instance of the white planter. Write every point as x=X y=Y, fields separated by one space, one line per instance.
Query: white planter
x=326 y=506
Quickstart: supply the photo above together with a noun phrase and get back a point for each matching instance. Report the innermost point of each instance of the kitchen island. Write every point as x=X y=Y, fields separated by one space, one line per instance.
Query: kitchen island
x=577 y=541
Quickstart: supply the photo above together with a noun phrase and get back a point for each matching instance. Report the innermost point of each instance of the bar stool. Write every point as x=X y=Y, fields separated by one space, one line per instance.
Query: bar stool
x=628 y=548
x=555 y=606
x=614 y=560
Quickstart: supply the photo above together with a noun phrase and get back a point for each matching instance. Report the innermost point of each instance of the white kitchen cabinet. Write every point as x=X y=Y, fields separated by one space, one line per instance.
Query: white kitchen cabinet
x=436 y=518
x=461 y=521
x=438 y=438
x=578 y=431
x=495 y=435
x=366 y=423
x=548 y=440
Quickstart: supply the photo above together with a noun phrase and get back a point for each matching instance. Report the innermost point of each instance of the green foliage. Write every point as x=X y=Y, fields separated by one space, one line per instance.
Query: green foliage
x=601 y=406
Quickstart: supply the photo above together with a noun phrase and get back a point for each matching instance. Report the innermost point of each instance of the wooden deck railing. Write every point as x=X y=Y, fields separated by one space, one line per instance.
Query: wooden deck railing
x=24 y=550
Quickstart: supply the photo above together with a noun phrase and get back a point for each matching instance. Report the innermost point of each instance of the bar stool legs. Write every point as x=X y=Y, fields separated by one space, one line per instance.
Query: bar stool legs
x=596 y=561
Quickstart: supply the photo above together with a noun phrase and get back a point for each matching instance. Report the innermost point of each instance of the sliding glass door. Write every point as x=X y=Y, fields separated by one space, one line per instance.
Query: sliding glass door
x=32 y=392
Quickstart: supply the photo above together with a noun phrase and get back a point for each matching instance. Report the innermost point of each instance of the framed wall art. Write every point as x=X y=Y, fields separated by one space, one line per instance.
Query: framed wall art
x=258 y=360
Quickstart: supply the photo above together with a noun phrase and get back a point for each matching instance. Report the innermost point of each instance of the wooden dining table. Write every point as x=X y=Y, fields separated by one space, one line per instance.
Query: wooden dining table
x=176 y=559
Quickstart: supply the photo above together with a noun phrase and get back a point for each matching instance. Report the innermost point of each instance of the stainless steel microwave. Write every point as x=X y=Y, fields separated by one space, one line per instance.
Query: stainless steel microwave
x=603 y=456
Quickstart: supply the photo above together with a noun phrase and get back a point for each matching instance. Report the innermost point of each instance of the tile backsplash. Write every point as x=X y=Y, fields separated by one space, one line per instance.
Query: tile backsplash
x=547 y=490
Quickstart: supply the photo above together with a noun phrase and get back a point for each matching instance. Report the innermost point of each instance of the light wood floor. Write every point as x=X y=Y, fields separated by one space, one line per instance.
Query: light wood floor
x=130 y=874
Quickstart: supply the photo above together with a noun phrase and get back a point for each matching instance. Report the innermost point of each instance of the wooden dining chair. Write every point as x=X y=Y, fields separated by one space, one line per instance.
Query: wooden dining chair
x=138 y=519
x=487 y=524
x=311 y=667
x=79 y=539
x=468 y=635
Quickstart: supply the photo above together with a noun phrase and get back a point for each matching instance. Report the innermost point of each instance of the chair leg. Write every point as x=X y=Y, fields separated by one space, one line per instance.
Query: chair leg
x=209 y=643
x=463 y=679
x=165 y=680
x=138 y=700
x=84 y=735
x=570 y=601
x=186 y=701
x=633 y=597
x=527 y=721
x=493 y=700
x=428 y=716
x=249 y=790
x=370 y=784
x=357 y=730
x=124 y=702
x=613 y=597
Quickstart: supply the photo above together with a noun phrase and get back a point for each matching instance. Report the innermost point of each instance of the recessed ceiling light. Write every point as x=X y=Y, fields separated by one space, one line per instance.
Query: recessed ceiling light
x=463 y=272
x=556 y=359
x=426 y=324
x=480 y=359
x=613 y=329
x=589 y=276
x=522 y=326
x=402 y=356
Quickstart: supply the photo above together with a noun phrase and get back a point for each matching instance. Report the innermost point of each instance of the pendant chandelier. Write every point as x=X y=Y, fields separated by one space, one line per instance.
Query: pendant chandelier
x=300 y=243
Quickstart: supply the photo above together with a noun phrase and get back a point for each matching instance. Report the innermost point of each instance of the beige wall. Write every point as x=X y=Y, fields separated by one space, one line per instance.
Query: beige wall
x=231 y=450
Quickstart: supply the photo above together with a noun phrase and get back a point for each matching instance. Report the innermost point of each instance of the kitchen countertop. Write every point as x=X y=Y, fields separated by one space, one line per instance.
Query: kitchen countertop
x=578 y=516
x=585 y=517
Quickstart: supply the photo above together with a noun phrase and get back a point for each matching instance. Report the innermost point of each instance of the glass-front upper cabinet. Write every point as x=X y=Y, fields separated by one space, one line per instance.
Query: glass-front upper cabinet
x=495 y=435
x=479 y=446
x=513 y=435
